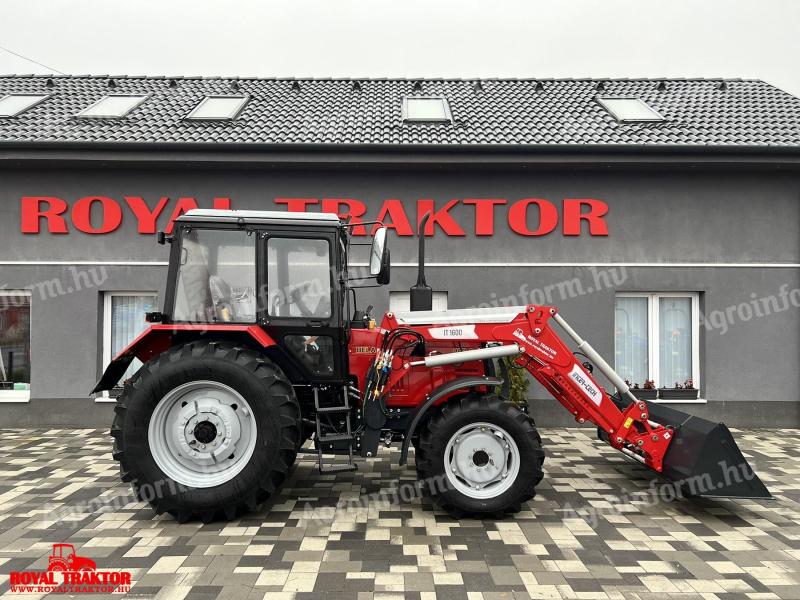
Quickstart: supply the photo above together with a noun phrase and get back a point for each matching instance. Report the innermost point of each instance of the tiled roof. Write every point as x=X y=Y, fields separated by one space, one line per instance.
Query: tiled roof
x=490 y=112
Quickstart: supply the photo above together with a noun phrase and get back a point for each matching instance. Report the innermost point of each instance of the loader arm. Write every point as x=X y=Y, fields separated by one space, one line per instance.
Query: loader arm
x=698 y=455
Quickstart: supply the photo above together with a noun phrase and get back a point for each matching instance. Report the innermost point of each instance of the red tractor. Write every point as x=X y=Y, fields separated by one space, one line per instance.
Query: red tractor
x=260 y=348
x=63 y=558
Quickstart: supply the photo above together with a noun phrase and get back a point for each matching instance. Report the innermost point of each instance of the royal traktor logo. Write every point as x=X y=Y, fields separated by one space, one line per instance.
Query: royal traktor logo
x=69 y=573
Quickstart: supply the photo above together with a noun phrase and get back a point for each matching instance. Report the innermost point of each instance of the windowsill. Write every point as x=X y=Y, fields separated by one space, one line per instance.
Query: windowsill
x=695 y=401
x=105 y=398
x=13 y=396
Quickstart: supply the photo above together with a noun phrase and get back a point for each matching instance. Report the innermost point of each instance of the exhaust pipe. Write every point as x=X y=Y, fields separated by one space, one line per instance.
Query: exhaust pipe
x=421 y=294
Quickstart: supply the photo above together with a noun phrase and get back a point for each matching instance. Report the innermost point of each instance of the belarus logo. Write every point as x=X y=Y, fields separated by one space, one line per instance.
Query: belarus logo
x=69 y=573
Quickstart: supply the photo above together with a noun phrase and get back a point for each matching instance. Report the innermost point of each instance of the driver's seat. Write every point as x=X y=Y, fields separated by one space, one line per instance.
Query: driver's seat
x=221 y=298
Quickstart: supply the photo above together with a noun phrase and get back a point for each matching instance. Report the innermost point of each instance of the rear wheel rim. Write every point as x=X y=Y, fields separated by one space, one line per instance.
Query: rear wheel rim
x=202 y=434
x=481 y=460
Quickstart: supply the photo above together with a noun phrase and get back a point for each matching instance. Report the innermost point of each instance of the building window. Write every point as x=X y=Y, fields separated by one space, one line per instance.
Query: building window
x=112 y=107
x=656 y=336
x=630 y=110
x=13 y=105
x=123 y=321
x=15 y=346
x=431 y=109
x=218 y=108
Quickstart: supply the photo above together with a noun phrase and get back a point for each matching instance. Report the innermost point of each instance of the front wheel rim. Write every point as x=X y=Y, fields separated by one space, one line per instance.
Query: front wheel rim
x=202 y=434
x=481 y=460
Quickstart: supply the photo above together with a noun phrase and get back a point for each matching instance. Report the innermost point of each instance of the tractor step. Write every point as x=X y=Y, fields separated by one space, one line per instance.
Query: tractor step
x=333 y=409
x=338 y=468
x=338 y=436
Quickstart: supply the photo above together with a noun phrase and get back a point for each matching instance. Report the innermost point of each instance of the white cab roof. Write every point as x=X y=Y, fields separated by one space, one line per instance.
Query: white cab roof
x=271 y=217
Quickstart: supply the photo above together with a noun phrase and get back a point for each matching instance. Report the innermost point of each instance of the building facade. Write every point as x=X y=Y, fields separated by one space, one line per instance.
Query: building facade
x=665 y=230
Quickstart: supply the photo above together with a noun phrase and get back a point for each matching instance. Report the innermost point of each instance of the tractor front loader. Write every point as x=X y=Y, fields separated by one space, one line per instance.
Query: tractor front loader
x=260 y=347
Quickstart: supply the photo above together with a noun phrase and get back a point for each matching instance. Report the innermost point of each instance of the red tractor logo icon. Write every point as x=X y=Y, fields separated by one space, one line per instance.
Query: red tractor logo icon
x=64 y=558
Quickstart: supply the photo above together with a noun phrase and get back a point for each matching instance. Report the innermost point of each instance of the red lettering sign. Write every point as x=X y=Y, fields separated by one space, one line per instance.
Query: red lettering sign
x=36 y=208
x=529 y=217
x=518 y=217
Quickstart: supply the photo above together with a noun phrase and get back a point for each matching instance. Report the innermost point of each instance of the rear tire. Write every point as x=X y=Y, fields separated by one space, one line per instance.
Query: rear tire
x=480 y=456
x=244 y=404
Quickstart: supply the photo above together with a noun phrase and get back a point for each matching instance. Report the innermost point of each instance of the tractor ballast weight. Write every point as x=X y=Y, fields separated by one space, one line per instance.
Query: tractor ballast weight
x=268 y=361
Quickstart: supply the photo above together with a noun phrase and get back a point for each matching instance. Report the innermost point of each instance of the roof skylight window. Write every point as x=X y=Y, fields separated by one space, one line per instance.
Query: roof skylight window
x=218 y=108
x=112 y=107
x=429 y=109
x=15 y=104
x=630 y=110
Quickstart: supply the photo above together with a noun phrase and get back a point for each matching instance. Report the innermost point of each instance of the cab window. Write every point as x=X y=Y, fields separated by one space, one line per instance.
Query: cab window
x=216 y=277
x=299 y=278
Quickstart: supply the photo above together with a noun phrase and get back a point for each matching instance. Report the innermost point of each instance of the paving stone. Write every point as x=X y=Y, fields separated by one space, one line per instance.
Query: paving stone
x=591 y=532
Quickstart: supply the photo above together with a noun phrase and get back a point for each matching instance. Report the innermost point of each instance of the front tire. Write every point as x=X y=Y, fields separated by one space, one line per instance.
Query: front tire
x=480 y=456
x=206 y=430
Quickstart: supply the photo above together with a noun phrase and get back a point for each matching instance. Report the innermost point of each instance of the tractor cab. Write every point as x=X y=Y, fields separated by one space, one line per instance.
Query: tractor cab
x=286 y=273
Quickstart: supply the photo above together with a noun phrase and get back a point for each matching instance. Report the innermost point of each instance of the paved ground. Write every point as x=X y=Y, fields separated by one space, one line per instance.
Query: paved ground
x=596 y=530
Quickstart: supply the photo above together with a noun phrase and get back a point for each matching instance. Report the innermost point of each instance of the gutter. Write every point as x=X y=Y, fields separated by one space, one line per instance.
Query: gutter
x=371 y=154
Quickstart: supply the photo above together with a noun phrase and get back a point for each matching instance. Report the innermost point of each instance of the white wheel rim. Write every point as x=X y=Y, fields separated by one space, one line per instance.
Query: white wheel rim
x=481 y=460
x=202 y=434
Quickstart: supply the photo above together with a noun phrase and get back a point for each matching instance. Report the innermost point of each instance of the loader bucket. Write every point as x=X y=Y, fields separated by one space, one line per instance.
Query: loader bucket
x=703 y=458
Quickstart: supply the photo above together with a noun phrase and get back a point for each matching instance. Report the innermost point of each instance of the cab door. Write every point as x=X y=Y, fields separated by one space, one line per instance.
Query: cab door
x=299 y=307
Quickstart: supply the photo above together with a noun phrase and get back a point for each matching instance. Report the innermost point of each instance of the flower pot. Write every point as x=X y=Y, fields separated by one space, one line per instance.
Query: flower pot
x=677 y=394
x=643 y=394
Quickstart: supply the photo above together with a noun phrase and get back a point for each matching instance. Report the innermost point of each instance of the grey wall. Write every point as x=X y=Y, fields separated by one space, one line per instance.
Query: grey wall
x=656 y=215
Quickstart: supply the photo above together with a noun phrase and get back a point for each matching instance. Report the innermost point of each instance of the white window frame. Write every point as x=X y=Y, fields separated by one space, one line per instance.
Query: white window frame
x=107 y=296
x=18 y=396
x=83 y=114
x=448 y=114
x=656 y=118
x=42 y=98
x=652 y=337
x=244 y=101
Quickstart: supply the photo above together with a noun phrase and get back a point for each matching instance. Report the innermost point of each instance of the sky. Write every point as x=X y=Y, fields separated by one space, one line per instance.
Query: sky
x=407 y=38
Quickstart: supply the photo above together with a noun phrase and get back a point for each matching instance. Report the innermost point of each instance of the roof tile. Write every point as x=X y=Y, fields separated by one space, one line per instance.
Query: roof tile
x=489 y=112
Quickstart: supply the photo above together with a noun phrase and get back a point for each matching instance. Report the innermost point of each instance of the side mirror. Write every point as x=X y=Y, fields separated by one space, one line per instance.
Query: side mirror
x=379 y=260
x=386 y=266
x=162 y=238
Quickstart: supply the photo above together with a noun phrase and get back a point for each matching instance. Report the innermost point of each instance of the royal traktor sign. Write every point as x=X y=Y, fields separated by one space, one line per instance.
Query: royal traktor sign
x=98 y=215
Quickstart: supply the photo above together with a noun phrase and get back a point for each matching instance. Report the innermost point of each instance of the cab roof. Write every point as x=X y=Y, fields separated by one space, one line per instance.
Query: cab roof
x=259 y=217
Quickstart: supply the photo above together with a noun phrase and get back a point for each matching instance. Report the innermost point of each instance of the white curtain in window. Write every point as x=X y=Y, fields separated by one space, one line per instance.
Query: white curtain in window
x=675 y=340
x=631 y=339
x=127 y=322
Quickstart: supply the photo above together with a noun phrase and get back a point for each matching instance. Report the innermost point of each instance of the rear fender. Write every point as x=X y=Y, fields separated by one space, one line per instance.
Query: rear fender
x=462 y=383
x=158 y=338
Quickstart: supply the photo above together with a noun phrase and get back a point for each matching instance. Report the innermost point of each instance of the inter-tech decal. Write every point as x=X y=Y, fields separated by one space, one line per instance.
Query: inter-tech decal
x=591 y=391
